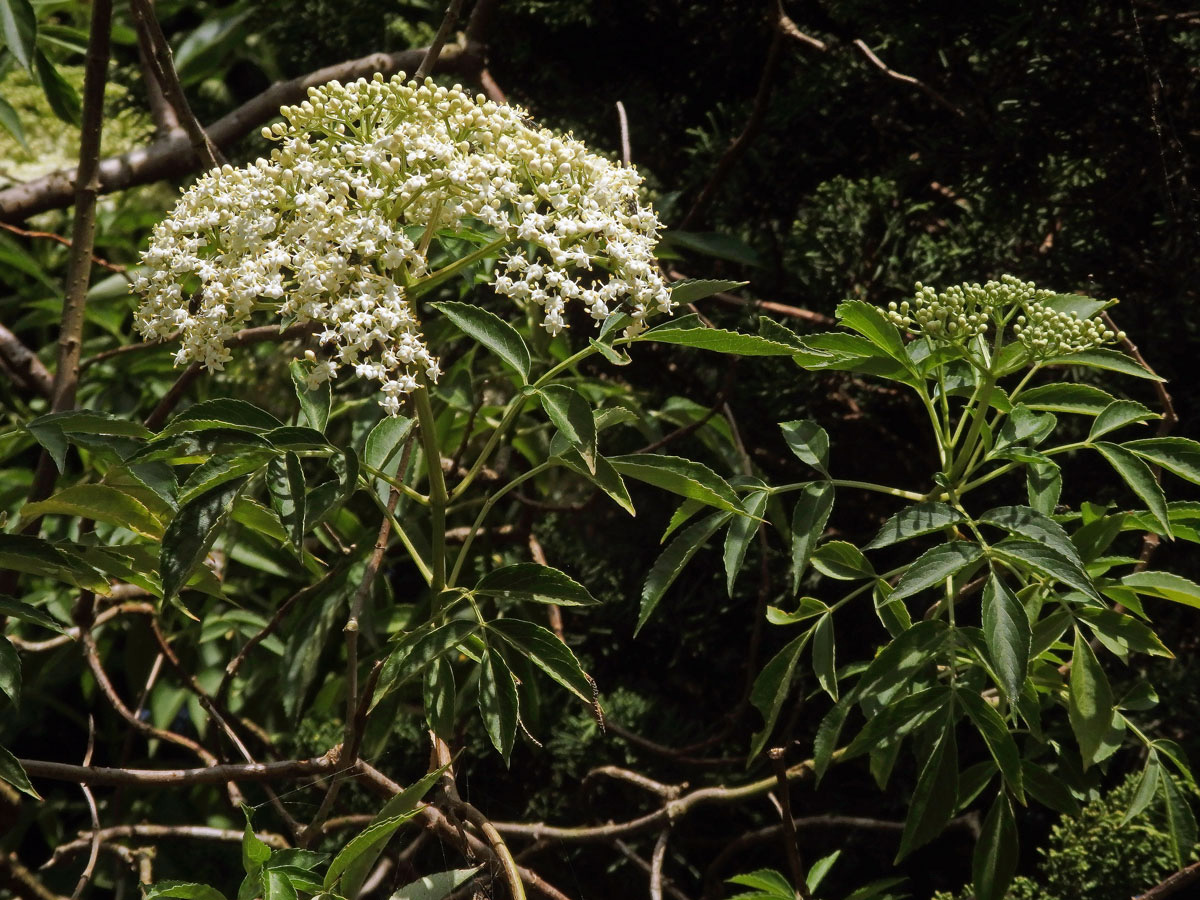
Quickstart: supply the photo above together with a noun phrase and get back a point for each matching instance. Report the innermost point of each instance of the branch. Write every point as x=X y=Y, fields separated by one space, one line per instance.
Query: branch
x=217 y=774
x=794 y=312
x=72 y=634
x=66 y=242
x=656 y=864
x=1173 y=884
x=906 y=79
x=162 y=66
x=790 y=841
x=25 y=364
x=173 y=157
x=23 y=883
x=439 y=39
x=94 y=842
x=197 y=832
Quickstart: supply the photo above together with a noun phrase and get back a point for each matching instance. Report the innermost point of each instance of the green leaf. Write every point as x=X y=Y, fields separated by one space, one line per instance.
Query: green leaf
x=895 y=721
x=679 y=476
x=498 y=702
x=1007 y=633
x=841 y=560
x=223 y=413
x=491 y=331
x=370 y=837
x=1140 y=479
x=995 y=859
x=605 y=477
x=935 y=566
x=767 y=880
x=672 y=561
x=1038 y=527
x=1147 y=787
x=1043 y=485
x=530 y=581
x=1166 y=585
x=818 y=870
x=436 y=886
x=925 y=517
x=418 y=649
x=872 y=324
x=285 y=483
x=11 y=121
x=180 y=890
x=1048 y=790
x=19 y=24
x=1068 y=397
x=277 y=886
x=824 y=655
x=1047 y=562
x=935 y=797
x=1118 y=414
x=10 y=671
x=1122 y=634
x=771 y=688
x=315 y=403
x=1023 y=427
x=808 y=524
x=717 y=340
x=254 y=851
x=999 y=740
x=737 y=538
x=1181 y=823
x=440 y=695
x=101 y=503
x=1090 y=707
x=18 y=609
x=1179 y=456
x=191 y=533
x=385 y=440
x=692 y=289
x=34 y=556
x=1101 y=358
x=572 y=416
x=809 y=442
x=12 y=773
x=548 y=653
x=220 y=468
x=60 y=95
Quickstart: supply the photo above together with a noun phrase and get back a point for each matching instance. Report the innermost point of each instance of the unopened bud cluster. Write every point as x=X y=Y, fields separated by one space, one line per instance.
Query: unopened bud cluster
x=970 y=310
x=336 y=228
x=1046 y=332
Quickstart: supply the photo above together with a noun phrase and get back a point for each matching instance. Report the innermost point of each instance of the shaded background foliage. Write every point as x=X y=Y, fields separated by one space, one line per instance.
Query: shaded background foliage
x=1065 y=152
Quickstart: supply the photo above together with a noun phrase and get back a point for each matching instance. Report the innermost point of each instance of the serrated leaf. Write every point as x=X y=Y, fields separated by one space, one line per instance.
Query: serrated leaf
x=717 y=340
x=221 y=413
x=672 y=561
x=813 y=507
x=998 y=738
x=572 y=416
x=808 y=441
x=418 y=649
x=498 y=702
x=995 y=859
x=101 y=503
x=1181 y=823
x=1067 y=397
x=191 y=533
x=220 y=468
x=1047 y=562
x=1090 y=706
x=491 y=331
x=1043 y=486
x=1147 y=787
x=824 y=655
x=1048 y=790
x=530 y=581
x=737 y=538
x=771 y=688
x=548 y=653
x=440 y=694
x=385 y=440
x=316 y=402
x=372 y=836
x=692 y=289
x=1118 y=414
x=1007 y=633
x=180 y=890
x=1179 y=456
x=436 y=886
x=10 y=671
x=895 y=721
x=871 y=323
x=286 y=485
x=841 y=560
x=1122 y=634
x=34 y=556
x=679 y=476
x=935 y=566
x=606 y=477
x=1030 y=523
x=18 y=609
x=60 y=95
x=921 y=518
x=935 y=797
x=1166 y=585
x=1135 y=473
x=1103 y=358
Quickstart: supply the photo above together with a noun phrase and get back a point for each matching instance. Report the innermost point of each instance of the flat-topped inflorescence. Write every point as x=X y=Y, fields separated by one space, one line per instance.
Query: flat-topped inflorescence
x=335 y=228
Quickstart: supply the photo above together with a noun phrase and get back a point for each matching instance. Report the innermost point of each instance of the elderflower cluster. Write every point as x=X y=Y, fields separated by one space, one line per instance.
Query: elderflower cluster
x=338 y=228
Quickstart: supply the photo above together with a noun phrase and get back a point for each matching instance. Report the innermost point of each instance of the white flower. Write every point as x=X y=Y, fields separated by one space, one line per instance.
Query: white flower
x=323 y=231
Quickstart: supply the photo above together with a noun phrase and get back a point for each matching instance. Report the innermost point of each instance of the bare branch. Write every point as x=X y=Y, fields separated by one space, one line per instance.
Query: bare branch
x=72 y=634
x=66 y=242
x=623 y=121
x=790 y=842
x=23 y=883
x=439 y=40
x=906 y=79
x=1174 y=884
x=656 y=864
x=216 y=774
x=158 y=832
x=25 y=364
x=94 y=849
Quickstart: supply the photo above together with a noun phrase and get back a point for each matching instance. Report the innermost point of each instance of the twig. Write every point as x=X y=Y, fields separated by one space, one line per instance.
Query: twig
x=906 y=79
x=66 y=242
x=794 y=312
x=626 y=154
x=25 y=364
x=790 y=842
x=633 y=857
x=1173 y=884
x=162 y=65
x=665 y=791
x=740 y=144
x=656 y=864
x=72 y=634
x=244 y=338
x=94 y=853
x=512 y=874
x=23 y=883
x=439 y=40
x=553 y=610
x=157 y=832
x=216 y=774
x=171 y=398
x=161 y=111
x=788 y=27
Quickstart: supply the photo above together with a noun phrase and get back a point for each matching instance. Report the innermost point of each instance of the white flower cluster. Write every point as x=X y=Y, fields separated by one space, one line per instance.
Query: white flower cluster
x=1046 y=332
x=336 y=229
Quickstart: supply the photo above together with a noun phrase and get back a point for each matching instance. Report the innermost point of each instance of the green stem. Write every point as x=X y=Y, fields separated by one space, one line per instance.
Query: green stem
x=422 y=566
x=861 y=485
x=425 y=285
x=438 y=499
x=394 y=482
x=978 y=416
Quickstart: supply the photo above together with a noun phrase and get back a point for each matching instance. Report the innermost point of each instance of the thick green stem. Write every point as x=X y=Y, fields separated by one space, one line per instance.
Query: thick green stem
x=427 y=284
x=438 y=498
x=861 y=485
x=978 y=416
